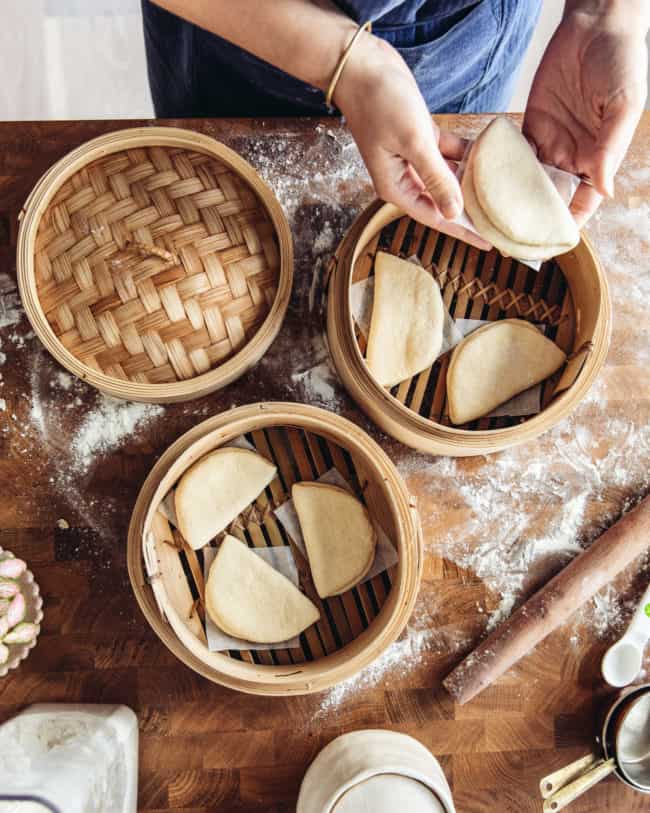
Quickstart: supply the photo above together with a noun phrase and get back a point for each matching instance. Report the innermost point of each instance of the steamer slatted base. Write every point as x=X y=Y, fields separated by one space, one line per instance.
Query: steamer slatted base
x=299 y=456
x=474 y=285
x=355 y=627
x=568 y=297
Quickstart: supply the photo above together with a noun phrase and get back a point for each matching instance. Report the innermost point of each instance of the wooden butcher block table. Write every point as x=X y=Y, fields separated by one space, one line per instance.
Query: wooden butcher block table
x=72 y=462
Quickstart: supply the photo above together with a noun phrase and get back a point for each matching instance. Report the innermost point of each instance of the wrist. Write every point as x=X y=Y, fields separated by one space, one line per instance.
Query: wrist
x=334 y=45
x=363 y=72
x=628 y=17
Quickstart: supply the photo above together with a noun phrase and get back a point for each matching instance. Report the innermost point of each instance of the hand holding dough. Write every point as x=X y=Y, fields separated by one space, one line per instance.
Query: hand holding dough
x=407 y=319
x=338 y=534
x=216 y=489
x=510 y=198
x=495 y=363
x=247 y=598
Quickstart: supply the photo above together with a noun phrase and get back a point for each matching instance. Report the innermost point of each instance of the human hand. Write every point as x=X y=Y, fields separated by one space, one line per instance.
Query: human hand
x=409 y=159
x=587 y=98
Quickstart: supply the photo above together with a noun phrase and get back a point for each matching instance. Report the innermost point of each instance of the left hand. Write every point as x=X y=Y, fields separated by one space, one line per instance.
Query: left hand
x=586 y=100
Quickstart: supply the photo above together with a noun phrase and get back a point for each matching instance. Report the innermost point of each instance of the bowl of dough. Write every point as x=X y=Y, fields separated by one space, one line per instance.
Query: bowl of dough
x=462 y=352
x=275 y=549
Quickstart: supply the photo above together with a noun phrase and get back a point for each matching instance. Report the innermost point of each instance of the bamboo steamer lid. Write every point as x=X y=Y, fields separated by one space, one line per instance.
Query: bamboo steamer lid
x=154 y=263
x=569 y=296
x=354 y=628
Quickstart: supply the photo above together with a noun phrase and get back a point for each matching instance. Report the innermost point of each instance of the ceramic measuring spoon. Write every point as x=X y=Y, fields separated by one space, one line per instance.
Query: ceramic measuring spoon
x=622 y=661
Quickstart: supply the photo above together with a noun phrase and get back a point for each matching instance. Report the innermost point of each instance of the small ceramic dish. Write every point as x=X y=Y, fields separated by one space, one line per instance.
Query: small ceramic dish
x=34 y=614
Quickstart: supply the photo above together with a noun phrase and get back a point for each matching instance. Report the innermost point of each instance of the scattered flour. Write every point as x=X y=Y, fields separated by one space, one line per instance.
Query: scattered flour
x=608 y=611
x=314 y=379
x=63 y=381
x=312 y=173
x=397 y=661
x=505 y=564
x=11 y=311
x=107 y=425
x=325 y=240
x=503 y=534
x=319 y=384
x=55 y=404
x=422 y=637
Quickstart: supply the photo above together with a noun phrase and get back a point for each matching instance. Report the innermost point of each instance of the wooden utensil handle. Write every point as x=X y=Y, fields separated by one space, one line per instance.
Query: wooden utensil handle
x=553 y=782
x=553 y=604
x=581 y=785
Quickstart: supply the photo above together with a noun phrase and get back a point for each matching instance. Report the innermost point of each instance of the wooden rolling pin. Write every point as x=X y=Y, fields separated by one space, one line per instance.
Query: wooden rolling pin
x=552 y=605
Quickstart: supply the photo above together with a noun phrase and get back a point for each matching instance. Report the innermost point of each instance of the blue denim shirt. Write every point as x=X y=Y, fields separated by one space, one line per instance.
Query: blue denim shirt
x=463 y=54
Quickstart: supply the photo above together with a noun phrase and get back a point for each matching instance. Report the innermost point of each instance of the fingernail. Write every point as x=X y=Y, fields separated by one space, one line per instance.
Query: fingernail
x=451 y=208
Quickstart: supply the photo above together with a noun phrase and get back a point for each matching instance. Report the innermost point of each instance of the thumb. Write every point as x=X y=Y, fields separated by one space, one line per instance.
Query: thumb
x=437 y=178
x=616 y=131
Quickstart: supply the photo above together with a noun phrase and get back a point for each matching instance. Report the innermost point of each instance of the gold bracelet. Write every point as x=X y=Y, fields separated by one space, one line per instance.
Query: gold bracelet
x=344 y=58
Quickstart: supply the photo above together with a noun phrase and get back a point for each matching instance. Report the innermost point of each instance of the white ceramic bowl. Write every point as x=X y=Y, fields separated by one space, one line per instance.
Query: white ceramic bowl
x=34 y=614
x=358 y=756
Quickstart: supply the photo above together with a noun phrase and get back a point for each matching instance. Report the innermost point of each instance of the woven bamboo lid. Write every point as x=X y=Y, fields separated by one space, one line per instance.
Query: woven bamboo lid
x=568 y=297
x=154 y=263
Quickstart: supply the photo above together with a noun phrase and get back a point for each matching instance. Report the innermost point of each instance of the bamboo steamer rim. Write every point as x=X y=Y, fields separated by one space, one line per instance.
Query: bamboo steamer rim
x=399 y=420
x=142 y=137
x=310 y=676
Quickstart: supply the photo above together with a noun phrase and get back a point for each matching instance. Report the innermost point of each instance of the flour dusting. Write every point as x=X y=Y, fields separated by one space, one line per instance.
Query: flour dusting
x=325 y=240
x=318 y=384
x=76 y=436
x=319 y=171
x=106 y=426
x=11 y=312
x=505 y=564
x=63 y=381
x=505 y=536
x=314 y=379
x=397 y=661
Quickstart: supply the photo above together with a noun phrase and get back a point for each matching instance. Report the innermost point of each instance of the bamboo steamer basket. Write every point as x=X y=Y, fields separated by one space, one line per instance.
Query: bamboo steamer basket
x=569 y=295
x=354 y=628
x=154 y=263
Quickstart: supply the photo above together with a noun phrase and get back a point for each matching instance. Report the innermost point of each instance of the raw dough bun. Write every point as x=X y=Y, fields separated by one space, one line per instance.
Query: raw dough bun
x=338 y=534
x=510 y=198
x=389 y=793
x=515 y=192
x=407 y=318
x=495 y=363
x=487 y=230
x=216 y=489
x=247 y=598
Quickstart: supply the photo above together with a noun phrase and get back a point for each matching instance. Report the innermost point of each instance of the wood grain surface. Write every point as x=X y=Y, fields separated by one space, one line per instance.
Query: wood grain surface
x=71 y=464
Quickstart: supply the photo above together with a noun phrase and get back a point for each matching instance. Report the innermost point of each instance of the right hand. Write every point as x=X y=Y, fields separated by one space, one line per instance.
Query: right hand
x=406 y=154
